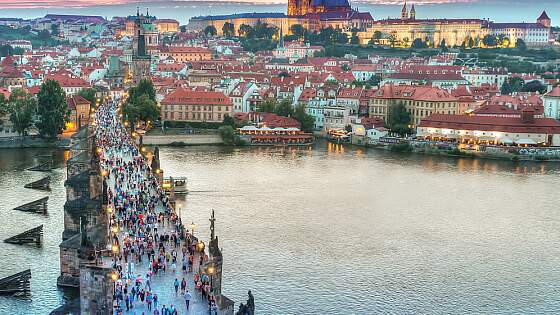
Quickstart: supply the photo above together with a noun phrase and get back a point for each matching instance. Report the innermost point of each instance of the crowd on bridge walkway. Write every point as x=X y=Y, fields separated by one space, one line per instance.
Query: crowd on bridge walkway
x=148 y=241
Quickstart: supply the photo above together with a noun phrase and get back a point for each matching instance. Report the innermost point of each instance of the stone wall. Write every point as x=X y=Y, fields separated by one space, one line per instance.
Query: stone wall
x=96 y=290
x=182 y=139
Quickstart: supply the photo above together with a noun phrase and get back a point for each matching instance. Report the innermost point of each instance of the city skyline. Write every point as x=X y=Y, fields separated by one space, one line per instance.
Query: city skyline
x=184 y=10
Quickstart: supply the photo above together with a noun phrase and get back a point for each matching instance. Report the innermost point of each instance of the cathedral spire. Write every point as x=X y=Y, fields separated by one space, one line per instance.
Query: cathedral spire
x=404 y=12
x=412 y=15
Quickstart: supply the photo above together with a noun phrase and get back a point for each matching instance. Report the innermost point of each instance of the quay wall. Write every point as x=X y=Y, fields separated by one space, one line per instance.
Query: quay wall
x=206 y=139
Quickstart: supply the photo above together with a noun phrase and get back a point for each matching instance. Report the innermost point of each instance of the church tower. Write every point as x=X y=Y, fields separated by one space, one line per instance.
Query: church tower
x=544 y=20
x=412 y=13
x=292 y=7
x=404 y=12
x=141 y=59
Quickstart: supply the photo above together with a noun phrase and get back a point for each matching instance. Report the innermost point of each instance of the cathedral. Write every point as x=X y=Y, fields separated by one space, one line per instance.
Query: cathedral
x=303 y=7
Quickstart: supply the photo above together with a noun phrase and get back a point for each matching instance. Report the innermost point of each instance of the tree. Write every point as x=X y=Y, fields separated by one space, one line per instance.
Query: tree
x=490 y=41
x=141 y=109
x=267 y=106
x=307 y=121
x=345 y=68
x=54 y=30
x=89 y=94
x=228 y=134
x=418 y=43
x=52 y=109
x=354 y=39
x=511 y=85
x=374 y=80
x=520 y=44
x=210 y=30
x=298 y=30
x=284 y=108
x=399 y=119
x=6 y=50
x=377 y=36
x=183 y=28
x=228 y=29
x=21 y=106
x=534 y=86
x=443 y=46
x=246 y=31
x=44 y=35
x=392 y=40
x=229 y=121
x=145 y=86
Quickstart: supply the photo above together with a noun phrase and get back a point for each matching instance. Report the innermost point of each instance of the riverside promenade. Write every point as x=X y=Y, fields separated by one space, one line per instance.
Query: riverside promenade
x=152 y=253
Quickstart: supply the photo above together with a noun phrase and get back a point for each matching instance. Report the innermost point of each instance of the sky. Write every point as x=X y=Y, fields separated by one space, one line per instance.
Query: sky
x=182 y=10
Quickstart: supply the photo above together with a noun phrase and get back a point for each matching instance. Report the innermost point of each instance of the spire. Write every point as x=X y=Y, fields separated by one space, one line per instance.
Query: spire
x=281 y=41
x=147 y=13
x=212 y=220
x=404 y=12
x=412 y=12
x=137 y=11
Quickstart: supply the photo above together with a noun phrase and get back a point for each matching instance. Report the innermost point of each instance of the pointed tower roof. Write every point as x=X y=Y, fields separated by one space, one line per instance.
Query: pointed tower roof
x=405 y=7
x=544 y=16
x=412 y=9
x=7 y=62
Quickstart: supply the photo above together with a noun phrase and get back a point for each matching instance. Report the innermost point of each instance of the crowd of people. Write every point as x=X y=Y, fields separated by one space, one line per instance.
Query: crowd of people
x=145 y=229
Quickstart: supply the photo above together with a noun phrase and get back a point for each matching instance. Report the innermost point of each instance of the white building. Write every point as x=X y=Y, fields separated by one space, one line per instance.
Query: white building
x=551 y=102
x=479 y=76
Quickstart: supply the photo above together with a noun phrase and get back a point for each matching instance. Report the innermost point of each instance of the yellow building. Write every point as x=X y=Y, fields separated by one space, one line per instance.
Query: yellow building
x=420 y=101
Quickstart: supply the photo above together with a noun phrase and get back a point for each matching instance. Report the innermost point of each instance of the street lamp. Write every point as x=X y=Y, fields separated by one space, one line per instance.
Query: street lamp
x=109 y=209
x=115 y=248
x=211 y=270
x=200 y=246
x=193 y=226
x=104 y=173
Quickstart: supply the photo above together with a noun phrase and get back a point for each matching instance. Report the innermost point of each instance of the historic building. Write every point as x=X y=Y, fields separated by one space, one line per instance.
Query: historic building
x=420 y=101
x=145 y=34
x=303 y=7
x=196 y=106
x=313 y=15
x=404 y=30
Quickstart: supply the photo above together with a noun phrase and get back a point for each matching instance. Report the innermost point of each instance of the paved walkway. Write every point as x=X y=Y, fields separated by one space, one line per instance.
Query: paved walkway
x=125 y=171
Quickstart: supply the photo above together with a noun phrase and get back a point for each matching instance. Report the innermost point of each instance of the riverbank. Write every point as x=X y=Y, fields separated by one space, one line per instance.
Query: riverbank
x=32 y=142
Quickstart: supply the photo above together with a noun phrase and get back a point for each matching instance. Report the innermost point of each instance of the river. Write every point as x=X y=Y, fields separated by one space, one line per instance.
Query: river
x=339 y=230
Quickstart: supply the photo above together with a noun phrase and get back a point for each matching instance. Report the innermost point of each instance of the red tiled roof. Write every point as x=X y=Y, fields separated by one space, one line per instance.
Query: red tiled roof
x=183 y=96
x=486 y=123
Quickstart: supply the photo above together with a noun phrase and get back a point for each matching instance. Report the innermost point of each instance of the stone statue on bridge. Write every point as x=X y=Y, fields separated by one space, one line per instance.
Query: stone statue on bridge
x=249 y=308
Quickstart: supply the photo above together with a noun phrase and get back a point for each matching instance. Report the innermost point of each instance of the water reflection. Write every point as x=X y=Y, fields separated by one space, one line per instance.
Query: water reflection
x=376 y=231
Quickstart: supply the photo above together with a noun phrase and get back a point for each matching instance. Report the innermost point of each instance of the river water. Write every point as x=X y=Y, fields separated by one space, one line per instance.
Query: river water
x=338 y=230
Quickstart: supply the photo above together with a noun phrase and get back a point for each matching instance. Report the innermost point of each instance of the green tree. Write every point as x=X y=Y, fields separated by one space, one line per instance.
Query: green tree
x=354 y=39
x=145 y=86
x=44 y=35
x=534 y=86
x=246 y=31
x=392 y=40
x=377 y=36
x=399 y=119
x=210 y=30
x=298 y=30
x=54 y=30
x=89 y=94
x=520 y=44
x=418 y=43
x=374 y=80
x=52 y=109
x=307 y=121
x=141 y=109
x=513 y=84
x=183 y=28
x=229 y=121
x=228 y=29
x=228 y=134
x=21 y=107
x=284 y=108
x=6 y=50
x=267 y=106
x=490 y=41
x=443 y=46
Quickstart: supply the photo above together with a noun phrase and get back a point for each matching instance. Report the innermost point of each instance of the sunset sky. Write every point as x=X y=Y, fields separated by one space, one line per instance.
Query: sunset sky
x=182 y=10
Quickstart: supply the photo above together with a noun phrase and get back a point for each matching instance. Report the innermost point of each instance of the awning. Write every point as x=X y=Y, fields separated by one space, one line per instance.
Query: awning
x=505 y=140
x=526 y=141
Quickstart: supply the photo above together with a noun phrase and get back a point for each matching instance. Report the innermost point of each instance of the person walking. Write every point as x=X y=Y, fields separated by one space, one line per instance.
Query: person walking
x=187 y=299
x=183 y=286
x=176 y=286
